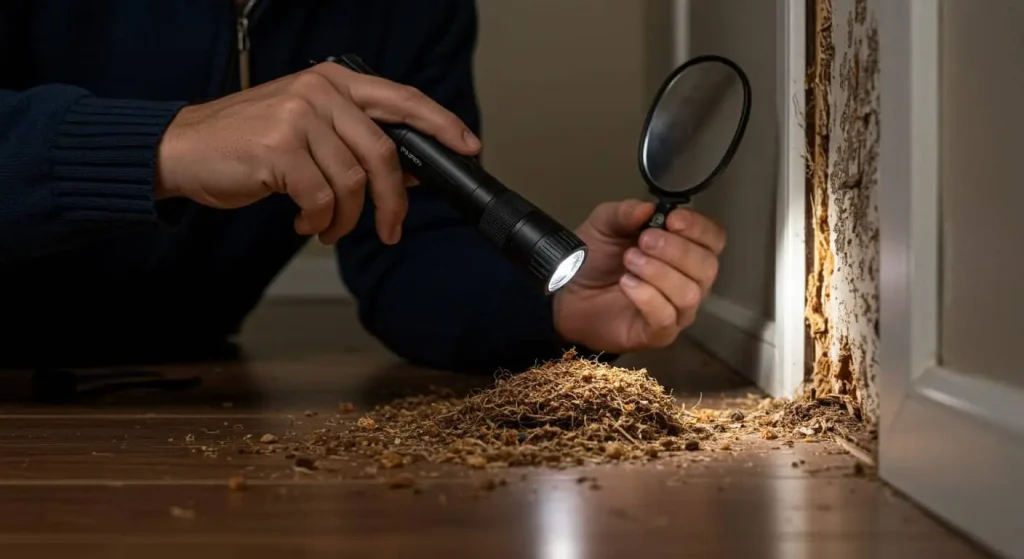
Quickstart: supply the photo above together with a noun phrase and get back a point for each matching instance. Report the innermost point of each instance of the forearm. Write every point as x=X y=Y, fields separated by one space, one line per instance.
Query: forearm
x=73 y=164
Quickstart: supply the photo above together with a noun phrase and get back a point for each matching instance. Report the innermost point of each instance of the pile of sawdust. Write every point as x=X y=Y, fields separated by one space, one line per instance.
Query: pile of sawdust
x=559 y=414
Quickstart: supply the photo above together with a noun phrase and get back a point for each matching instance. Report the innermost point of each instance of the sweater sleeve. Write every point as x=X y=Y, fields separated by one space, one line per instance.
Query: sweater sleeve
x=73 y=164
x=443 y=297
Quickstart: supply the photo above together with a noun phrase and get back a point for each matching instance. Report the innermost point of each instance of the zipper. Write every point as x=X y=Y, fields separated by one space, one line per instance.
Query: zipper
x=242 y=42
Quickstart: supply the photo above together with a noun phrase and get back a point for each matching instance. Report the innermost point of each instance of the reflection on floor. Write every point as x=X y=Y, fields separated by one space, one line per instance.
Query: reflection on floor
x=117 y=467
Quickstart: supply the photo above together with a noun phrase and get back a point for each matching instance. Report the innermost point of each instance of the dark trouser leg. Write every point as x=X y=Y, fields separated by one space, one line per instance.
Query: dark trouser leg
x=154 y=293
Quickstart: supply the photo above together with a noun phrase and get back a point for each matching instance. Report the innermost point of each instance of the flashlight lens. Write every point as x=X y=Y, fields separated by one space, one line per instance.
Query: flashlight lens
x=566 y=270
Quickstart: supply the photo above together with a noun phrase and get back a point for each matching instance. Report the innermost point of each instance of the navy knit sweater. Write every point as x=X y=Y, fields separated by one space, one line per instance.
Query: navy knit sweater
x=88 y=87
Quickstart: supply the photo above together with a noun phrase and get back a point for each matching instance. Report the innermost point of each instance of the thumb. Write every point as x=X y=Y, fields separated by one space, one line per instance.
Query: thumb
x=621 y=219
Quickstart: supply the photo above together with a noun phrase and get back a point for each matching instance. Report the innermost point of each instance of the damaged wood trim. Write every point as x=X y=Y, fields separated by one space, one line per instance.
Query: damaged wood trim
x=821 y=54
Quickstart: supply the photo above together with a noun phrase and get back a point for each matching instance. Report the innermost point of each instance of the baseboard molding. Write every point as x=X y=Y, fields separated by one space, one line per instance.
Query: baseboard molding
x=309 y=277
x=741 y=339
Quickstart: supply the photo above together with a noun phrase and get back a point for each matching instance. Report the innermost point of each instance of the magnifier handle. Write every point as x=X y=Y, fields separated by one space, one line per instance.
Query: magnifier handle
x=661 y=212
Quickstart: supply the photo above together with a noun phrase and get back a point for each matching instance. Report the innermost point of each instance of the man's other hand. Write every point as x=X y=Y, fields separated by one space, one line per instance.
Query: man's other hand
x=310 y=136
x=639 y=288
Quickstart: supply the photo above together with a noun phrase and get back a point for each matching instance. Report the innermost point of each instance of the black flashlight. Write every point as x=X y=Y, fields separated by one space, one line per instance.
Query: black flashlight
x=534 y=241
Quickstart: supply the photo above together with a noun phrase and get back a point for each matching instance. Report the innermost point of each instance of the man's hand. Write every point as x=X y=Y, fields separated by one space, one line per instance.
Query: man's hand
x=310 y=136
x=633 y=292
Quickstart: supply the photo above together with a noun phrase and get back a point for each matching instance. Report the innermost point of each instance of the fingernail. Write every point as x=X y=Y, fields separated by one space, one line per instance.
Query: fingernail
x=396 y=235
x=677 y=221
x=471 y=140
x=651 y=240
x=629 y=280
x=635 y=257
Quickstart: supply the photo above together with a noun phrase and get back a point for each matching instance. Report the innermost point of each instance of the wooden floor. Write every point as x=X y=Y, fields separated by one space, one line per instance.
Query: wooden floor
x=130 y=473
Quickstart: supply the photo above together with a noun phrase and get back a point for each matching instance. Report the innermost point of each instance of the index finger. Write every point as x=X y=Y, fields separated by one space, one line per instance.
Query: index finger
x=388 y=101
x=698 y=228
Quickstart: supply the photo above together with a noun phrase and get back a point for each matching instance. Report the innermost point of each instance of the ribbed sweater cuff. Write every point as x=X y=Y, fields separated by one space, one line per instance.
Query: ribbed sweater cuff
x=103 y=159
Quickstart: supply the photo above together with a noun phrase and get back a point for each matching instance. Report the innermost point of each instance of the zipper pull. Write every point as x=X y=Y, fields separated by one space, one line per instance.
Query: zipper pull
x=242 y=29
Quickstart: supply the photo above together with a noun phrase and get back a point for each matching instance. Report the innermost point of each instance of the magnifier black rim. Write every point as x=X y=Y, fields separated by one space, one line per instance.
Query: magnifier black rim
x=734 y=145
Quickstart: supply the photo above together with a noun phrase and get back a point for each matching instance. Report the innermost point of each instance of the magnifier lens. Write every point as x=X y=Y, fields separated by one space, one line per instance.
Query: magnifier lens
x=693 y=129
x=566 y=270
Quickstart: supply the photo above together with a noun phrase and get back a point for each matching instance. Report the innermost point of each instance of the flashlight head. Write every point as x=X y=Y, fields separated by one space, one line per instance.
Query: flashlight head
x=540 y=245
x=566 y=270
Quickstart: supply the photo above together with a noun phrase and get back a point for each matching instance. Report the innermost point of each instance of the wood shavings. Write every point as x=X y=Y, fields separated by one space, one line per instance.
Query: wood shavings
x=570 y=412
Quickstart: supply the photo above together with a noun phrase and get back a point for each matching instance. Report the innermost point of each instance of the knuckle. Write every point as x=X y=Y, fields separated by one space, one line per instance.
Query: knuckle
x=294 y=107
x=669 y=319
x=690 y=296
x=310 y=82
x=322 y=198
x=410 y=94
x=265 y=174
x=354 y=177
x=329 y=66
x=711 y=270
x=385 y=148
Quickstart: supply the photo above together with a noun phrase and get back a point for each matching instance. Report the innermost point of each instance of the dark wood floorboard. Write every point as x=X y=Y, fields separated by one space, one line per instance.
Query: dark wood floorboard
x=97 y=475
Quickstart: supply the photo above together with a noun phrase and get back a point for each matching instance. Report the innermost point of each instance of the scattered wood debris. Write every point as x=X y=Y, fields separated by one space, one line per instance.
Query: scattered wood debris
x=864 y=455
x=569 y=412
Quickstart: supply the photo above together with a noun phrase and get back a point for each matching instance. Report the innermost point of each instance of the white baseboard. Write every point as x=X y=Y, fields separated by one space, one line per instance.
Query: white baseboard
x=309 y=277
x=741 y=339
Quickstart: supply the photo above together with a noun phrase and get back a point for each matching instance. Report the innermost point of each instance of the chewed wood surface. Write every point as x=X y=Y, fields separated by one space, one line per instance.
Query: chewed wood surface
x=121 y=469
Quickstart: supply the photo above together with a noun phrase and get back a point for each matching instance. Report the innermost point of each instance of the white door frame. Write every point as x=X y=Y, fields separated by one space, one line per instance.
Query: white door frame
x=787 y=376
x=952 y=442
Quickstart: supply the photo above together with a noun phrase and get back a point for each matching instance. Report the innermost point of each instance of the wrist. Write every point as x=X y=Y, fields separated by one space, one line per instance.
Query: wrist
x=164 y=184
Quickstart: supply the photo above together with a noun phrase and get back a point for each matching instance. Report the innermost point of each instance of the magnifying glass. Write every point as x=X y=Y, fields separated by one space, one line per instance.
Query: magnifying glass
x=692 y=131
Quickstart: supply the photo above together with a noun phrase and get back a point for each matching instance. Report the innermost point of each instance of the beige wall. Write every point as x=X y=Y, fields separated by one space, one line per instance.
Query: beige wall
x=564 y=87
x=744 y=199
x=982 y=195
